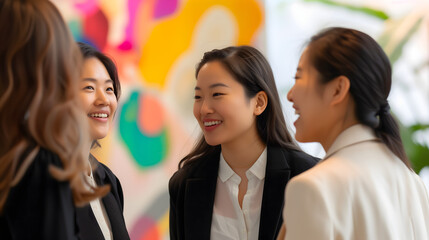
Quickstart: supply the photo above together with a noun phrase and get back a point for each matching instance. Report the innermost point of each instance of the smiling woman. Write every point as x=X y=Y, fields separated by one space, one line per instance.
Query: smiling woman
x=364 y=188
x=98 y=97
x=231 y=185
x=99 y=94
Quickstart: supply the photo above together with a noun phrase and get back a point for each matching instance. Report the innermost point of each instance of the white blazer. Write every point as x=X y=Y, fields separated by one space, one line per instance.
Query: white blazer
x=361 y=191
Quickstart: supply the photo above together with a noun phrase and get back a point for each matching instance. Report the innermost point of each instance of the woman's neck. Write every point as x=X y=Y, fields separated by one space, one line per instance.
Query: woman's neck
x=241 y=156
x=88 y=153
x=336 y=130
x=342 y=116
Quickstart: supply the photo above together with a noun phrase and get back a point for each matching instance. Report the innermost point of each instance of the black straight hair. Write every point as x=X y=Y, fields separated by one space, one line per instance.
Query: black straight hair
x=89 y=51
x=347 y=52
x=250 y=68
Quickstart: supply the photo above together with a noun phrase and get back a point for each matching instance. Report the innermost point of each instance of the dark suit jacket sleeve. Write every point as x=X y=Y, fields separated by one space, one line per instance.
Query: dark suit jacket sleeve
x=40 y=207
x=173 y=189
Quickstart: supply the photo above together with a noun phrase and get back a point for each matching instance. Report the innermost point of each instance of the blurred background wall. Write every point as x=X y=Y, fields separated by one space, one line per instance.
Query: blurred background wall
x=157 y=43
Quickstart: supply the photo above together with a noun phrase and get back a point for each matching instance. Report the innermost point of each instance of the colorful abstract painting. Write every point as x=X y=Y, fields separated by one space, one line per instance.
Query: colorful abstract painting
x=156 y=45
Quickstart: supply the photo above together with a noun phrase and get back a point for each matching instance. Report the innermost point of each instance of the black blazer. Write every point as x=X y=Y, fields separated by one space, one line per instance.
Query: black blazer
x=86 y=222
x=39 y=206
x=192 y=193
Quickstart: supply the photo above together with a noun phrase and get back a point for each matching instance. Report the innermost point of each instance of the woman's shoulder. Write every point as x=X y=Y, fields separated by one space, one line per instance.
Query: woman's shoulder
x=297 y=160
x=45 y=157
x=104 y=168
x=189 y=170
x=333 y=173
x=201 y=167
x=38 y=169
x=300 y=156
x=104 y=174
x=38 y=182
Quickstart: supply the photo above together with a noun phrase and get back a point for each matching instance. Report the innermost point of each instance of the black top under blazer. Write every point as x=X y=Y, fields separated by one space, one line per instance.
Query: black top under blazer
x=87 y=225
x=192 y=192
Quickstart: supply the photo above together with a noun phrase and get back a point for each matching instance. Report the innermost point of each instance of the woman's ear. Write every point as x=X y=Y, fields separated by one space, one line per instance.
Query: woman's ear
x=339 y=89
x=261 y=103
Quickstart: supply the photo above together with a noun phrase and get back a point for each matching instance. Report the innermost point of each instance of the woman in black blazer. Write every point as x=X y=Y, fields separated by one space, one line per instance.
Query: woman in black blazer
x=43 y=131
x=100 y=91
x=244 y=135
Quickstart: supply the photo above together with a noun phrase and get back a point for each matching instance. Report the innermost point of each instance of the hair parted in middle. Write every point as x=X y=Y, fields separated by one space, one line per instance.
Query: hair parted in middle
x=250 y=68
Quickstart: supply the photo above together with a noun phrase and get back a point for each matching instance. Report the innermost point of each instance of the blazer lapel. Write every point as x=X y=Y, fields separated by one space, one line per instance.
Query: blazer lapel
x=87 y=223
x=276 y=177
x=115 y=216
x=199 y=200
x=119 y=230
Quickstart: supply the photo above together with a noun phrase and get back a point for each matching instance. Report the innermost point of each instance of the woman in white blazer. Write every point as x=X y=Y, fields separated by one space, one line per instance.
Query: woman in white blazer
x=364 y=188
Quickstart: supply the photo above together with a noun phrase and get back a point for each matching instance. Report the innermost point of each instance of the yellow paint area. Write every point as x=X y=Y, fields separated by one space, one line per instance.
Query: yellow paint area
x=163 y=224
x=173 y=35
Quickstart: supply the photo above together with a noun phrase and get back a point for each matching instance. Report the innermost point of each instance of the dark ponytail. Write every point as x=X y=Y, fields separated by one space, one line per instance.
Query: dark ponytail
x=346 y=52
x=388 y=132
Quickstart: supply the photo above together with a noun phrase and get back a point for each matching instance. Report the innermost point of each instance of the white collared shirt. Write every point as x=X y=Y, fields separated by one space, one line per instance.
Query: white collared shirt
x=229 y=221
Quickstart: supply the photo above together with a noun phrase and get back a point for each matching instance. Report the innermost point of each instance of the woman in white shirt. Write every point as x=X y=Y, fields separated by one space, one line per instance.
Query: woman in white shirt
x=231 y=185
x=364 y=188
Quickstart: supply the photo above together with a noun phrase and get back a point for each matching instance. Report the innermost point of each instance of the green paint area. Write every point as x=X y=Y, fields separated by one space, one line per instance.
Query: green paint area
x=147 y=151
x=75 y=29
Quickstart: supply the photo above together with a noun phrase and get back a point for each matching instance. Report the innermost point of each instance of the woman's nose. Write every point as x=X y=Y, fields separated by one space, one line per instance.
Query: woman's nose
x=101 y=98
x=206 y=107
x=289 y=95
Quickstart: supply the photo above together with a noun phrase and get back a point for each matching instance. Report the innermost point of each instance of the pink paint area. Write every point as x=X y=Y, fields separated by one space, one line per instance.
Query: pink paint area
x=151 y=115
x=145 y=228
x=133 y=7
x=125 y=46
x=95 y=29
x=152 y=233
x=164 y=8
x=87 y=7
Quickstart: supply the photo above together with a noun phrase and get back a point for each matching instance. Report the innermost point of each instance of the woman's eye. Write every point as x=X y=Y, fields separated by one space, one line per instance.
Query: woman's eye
x=217 y=94
x=196 y=97
x=110 y=89
x=88 y=88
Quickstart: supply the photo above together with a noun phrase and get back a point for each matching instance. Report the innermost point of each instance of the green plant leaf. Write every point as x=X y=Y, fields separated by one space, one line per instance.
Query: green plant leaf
x=369 y=11
x=418 y=154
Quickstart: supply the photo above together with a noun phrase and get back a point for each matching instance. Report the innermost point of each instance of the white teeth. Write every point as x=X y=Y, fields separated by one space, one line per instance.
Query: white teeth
x=208 y=124
x=98 y=115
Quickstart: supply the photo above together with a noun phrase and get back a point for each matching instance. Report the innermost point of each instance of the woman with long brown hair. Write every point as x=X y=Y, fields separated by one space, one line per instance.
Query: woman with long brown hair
x=231 y=184
x=43 y=129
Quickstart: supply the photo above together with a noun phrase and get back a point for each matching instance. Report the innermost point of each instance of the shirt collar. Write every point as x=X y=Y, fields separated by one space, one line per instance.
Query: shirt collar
x=352 y=135
x=257 y=169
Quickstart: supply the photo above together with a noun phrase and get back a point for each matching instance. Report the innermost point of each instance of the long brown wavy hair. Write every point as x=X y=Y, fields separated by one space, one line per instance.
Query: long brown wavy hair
x=39 y=104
